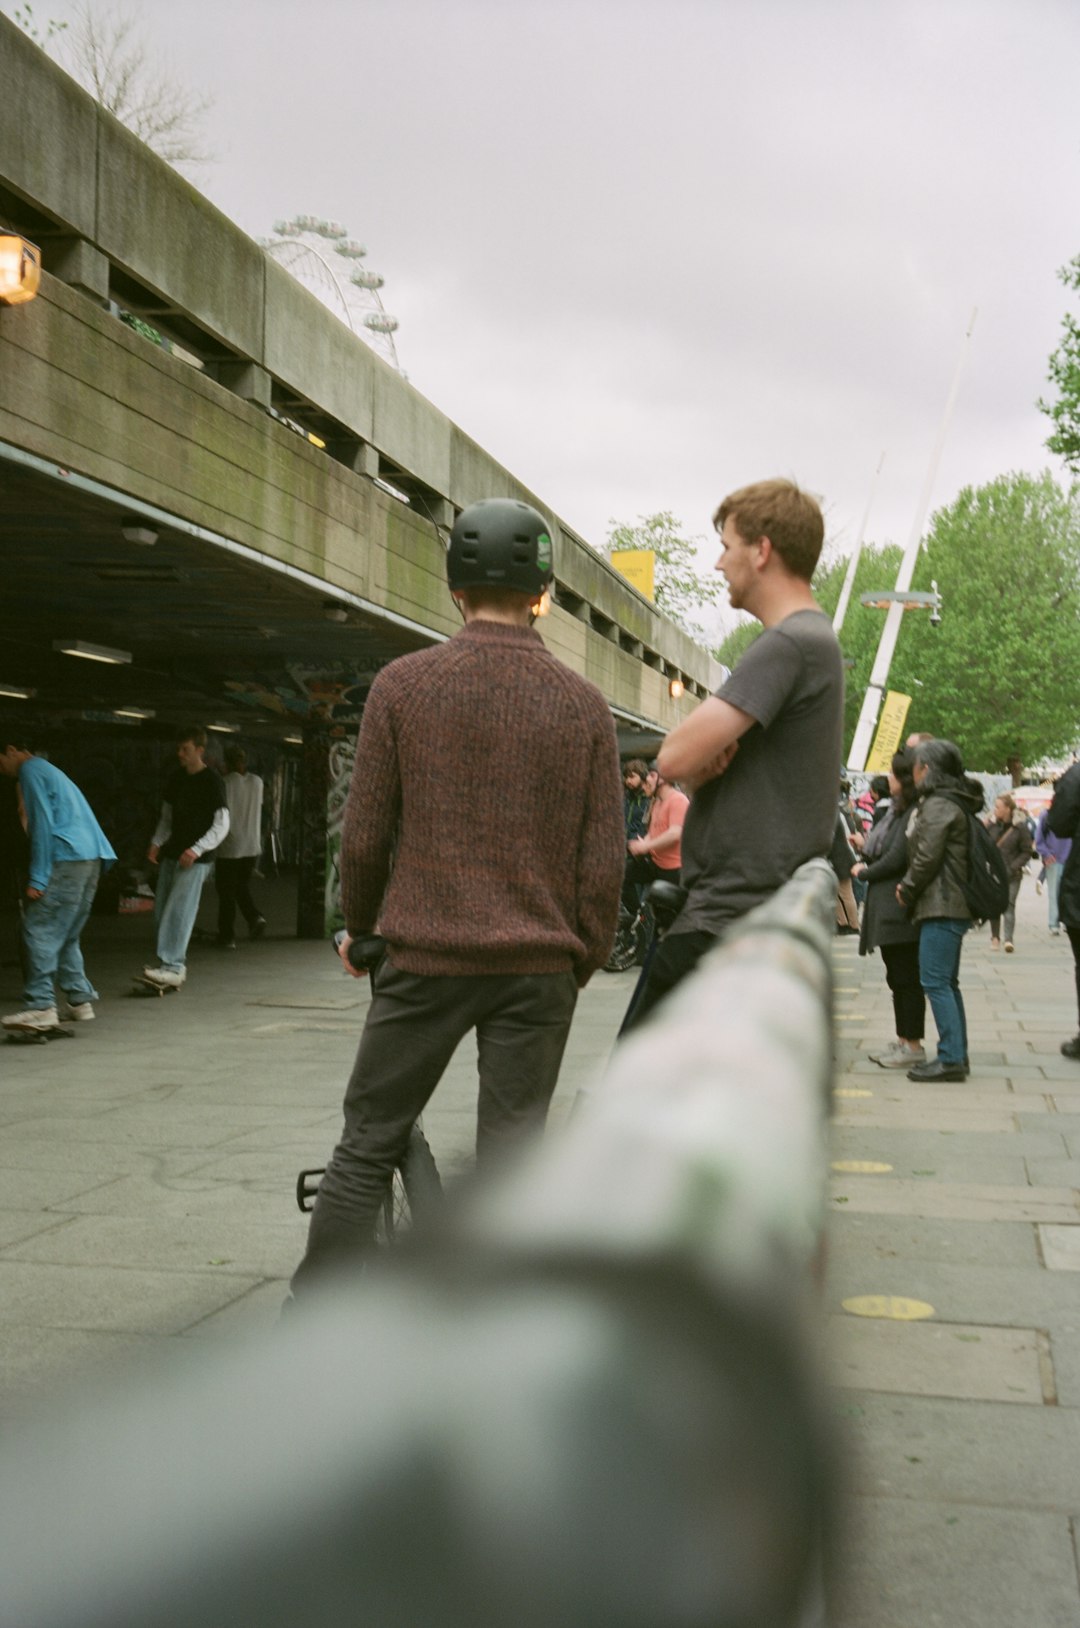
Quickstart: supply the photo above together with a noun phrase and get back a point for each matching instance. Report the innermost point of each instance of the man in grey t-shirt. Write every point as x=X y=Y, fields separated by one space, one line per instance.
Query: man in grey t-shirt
x=761 y=756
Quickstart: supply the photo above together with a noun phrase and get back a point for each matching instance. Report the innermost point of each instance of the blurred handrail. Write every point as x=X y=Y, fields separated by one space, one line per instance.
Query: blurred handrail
x=592 y=1401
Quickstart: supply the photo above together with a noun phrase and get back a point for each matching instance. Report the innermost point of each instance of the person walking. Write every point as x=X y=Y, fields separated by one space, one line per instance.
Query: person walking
x=886 y=925
x=236 y=855
x=1063 y=822
x=931 y=889
x=194 y=819
x=1053 y=851
x=1009 y=829
x=493 y=922
x=68 y=849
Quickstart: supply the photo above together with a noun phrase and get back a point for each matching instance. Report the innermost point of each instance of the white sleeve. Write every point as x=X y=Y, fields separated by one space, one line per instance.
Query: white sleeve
x=219 y=830
x=163 y=830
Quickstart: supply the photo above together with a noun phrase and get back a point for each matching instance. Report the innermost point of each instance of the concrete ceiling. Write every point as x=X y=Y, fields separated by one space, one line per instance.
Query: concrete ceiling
x=212 y=636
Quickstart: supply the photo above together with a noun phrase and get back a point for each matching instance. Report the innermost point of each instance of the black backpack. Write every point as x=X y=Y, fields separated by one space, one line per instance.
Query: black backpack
x=986 y=886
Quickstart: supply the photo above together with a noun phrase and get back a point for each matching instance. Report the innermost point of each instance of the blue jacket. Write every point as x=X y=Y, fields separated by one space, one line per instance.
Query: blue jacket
x=61 y=822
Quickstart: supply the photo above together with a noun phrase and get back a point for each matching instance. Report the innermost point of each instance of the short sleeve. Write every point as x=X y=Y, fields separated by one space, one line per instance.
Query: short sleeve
x=765 y=677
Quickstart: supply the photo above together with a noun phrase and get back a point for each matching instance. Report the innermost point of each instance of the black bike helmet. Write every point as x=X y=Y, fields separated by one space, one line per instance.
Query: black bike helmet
x=500 y=543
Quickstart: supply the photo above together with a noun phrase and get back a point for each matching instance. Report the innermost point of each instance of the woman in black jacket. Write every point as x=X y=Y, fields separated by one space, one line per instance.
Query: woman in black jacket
x=1009 y=830
x=1063 y=820
x=886 y=925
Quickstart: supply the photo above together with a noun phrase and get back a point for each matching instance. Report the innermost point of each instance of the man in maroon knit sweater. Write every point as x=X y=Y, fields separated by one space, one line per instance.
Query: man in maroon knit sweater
x=500 y=904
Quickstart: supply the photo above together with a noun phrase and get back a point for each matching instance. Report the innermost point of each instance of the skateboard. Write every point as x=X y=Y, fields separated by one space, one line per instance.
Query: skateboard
x=37 y=1037
x=146 y=986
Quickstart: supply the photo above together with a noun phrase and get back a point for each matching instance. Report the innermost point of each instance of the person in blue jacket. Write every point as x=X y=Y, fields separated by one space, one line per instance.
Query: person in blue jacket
x=67 y=851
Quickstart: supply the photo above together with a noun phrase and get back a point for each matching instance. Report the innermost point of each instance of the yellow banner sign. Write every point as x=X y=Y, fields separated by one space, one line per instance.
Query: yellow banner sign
x=637 y=565
x=889 y=730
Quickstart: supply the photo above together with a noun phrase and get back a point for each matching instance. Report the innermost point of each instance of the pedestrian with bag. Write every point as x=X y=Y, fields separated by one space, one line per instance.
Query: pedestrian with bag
x=1009 y=830
x=932 y=889
x=886 y=924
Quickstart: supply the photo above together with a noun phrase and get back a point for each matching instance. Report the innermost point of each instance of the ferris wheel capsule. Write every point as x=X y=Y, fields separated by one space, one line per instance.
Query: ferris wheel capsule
x=367 y=279
x=351 y=249
x=380 y=322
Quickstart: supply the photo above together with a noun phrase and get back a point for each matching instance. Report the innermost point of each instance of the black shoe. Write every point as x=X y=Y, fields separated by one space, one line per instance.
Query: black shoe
x=1071 y=1048
x=258 y=928
x=937 y=1070
x=225 y=943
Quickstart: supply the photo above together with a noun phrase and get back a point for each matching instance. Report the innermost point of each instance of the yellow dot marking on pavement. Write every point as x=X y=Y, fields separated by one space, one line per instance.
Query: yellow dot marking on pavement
x=850 y=1091
x=860 y=1167
x=850 y=1017
x=854 y=990
x=887 y=1305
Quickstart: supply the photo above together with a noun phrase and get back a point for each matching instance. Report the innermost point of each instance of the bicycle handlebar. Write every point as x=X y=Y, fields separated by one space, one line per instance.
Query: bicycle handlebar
x=365 y=952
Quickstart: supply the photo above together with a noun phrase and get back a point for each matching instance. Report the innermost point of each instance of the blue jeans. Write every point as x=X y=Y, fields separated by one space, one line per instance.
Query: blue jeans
x=1053 y=895
x=176 y=905
x=51 y=929
x=940 y=942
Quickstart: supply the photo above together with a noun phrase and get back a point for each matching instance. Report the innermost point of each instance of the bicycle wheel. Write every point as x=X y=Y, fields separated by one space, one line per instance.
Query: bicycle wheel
x=415 y=1193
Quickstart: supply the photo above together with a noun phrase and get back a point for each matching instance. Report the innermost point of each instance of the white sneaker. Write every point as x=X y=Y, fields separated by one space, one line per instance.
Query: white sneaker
x=164 y=978
x=77 y=1011
x=40 y=1018
x=898 y=1056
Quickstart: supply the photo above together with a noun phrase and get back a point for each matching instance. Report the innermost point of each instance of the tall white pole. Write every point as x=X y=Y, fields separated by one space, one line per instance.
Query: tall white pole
x=853 y=563
x=864 y=729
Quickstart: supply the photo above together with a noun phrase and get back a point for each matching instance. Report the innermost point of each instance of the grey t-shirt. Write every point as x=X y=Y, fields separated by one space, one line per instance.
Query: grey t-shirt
x=747 y=831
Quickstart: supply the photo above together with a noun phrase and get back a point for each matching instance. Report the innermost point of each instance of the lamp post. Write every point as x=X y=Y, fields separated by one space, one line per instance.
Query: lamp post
x=902 y=595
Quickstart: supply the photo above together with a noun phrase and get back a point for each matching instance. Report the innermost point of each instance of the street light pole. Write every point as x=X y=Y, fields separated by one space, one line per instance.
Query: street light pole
x=853 y=563
x=879 y=676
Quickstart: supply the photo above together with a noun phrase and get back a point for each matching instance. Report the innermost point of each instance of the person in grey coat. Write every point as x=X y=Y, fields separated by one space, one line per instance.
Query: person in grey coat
x=886 y=925
x=1063 y=819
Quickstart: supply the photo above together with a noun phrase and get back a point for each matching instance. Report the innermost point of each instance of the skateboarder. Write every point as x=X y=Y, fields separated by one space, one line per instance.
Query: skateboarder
x=67 y=851
x=194 y=819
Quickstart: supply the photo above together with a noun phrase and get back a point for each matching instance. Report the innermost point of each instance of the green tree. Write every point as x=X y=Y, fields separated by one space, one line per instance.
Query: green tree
x=1065 y=374
x=1001 y=675
x=679 y=587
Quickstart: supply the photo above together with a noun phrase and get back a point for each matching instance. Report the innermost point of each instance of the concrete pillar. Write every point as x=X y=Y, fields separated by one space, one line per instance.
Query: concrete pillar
x=355 y=454
x=246 y=380
x=327 y=771
x=74 y=261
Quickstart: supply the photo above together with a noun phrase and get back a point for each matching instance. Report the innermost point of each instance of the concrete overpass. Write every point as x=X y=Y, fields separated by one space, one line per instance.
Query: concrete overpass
x=203 y=471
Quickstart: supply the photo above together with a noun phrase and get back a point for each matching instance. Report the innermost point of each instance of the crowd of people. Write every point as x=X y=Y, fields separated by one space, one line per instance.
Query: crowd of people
x=494 y=924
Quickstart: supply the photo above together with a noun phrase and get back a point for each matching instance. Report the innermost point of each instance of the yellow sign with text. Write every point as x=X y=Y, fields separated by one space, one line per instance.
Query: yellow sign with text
x=637 y=565
x=889 y=730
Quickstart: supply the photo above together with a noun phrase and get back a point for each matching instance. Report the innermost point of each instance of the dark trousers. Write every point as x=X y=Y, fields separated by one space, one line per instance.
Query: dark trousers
x=1074 y=940
x=232 y=878
x=902 y=976
x=641 y=869
x=414 y=1025
x=670 y=961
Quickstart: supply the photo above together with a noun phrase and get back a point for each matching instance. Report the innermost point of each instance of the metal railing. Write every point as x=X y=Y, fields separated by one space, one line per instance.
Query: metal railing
x=593 y=1400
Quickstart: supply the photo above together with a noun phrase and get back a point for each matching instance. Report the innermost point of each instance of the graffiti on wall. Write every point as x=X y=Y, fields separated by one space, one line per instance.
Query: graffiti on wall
x=339 y=775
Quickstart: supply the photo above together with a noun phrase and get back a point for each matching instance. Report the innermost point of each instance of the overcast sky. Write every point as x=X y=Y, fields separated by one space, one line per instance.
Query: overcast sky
x=647 y=250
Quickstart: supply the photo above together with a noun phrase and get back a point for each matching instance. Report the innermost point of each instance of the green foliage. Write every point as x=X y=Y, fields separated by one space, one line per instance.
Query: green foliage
x=1065 y=374
x=24 y=16
x=1001 y=676
x=679 y=588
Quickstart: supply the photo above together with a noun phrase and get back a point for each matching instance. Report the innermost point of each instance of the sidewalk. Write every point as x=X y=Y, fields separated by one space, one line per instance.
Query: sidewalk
x=147 y=1165
x=962 y=1423
x=146 y=1181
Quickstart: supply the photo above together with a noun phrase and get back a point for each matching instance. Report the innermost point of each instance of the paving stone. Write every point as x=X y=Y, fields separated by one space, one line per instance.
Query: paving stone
x=954 y=1565
x=1053 y=1172
x=886 y=1195
x=117 y=1299
x=170 y=1244
x=870 y=1239
x=989 y=1453
x=1060 y=1249
x=969 y=1362
x=39 y=1364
